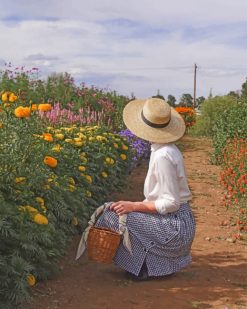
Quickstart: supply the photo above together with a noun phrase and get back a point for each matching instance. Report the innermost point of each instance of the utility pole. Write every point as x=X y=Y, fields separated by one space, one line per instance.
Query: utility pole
x=194 y=99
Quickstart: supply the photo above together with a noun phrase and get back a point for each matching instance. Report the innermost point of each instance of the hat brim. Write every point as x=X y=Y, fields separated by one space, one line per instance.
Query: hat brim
x=134 y=122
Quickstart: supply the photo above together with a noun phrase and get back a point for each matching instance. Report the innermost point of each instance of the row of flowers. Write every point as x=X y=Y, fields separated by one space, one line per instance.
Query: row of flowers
x=188 y=114
x=71 y=101
x=234 y=180
x=51 y=179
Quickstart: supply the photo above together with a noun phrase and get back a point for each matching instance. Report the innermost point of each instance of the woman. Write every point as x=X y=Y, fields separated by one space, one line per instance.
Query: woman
x=161 y=227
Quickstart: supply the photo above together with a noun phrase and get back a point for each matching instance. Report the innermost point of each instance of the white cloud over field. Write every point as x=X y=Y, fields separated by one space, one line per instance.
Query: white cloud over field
x=135 y=46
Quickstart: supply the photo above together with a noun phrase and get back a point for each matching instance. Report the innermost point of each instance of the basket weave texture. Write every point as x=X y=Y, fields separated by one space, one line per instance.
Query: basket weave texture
x=102 y=244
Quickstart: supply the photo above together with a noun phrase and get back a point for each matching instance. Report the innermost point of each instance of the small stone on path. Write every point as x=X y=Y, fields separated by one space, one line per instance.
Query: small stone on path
x=232 y=240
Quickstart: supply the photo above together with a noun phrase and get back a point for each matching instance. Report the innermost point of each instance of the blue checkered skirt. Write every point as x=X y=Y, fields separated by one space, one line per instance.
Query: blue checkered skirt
x=162 y=241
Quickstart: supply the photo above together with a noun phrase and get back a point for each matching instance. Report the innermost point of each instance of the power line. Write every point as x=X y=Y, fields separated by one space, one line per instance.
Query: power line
x=186 y=69
x=173 y=68
x=143 y=69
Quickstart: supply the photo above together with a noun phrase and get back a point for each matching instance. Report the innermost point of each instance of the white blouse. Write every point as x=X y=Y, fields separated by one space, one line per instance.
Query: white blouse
x=166 y=183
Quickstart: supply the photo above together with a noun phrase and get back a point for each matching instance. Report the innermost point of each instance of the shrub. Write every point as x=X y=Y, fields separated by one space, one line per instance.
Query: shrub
x=230 y=123
x=211 y=111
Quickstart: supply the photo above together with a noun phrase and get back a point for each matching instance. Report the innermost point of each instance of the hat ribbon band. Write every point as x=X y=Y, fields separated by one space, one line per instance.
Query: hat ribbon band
x=152 y=124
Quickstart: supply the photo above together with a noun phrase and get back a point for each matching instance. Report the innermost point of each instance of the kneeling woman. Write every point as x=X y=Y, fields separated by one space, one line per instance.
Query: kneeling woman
x=162 y=227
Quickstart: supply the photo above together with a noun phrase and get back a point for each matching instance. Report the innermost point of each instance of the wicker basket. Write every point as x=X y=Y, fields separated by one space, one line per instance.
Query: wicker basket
x=102 y=244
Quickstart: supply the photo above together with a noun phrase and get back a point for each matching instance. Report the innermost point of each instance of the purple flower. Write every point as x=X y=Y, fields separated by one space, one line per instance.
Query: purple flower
x=140 y=147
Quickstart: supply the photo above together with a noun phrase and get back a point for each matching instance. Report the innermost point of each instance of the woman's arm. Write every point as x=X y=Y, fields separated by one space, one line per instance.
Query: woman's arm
x=166 y=189
x=124 y=207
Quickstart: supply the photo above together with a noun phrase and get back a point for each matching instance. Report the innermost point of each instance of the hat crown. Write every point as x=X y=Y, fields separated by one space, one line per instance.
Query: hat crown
x=157 y=111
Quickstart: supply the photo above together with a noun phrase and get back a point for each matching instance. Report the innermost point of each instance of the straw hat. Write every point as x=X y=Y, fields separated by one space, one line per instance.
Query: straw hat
x=153 y=120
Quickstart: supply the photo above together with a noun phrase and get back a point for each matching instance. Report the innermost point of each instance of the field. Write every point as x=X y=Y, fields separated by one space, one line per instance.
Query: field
x=65 y=150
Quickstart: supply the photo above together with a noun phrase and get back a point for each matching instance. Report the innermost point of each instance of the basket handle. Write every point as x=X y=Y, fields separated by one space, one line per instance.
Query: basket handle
x=82 y=244
x=122 y=226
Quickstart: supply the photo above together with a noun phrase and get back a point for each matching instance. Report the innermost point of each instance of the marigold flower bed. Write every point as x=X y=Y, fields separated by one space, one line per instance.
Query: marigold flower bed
x=51 y=180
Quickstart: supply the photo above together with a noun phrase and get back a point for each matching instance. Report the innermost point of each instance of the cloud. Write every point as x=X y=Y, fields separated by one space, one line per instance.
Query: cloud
x=131 y=46
x=38 y=57
x=152 y=12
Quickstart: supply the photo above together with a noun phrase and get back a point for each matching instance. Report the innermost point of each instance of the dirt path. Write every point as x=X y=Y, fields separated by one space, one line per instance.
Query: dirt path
x=217 y=277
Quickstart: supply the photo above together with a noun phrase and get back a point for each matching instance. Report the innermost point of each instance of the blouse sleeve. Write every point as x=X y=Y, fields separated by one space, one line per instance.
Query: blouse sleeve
x=168 y=199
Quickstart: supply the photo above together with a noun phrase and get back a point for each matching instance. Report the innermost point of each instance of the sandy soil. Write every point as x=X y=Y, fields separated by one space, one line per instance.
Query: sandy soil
x=217 y=277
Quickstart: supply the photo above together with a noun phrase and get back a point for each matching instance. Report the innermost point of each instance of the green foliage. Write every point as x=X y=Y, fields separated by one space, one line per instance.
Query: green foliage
x=171 y=100
x=186 y=100
x=244 y=90
x=222 y=118
x=199 y=102
x=211 y=111
x=231 y=123
x=42 y=206
x=234 y=94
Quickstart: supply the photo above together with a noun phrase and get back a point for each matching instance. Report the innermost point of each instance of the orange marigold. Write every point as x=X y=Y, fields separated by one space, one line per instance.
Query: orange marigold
x=44 y=107
x=40 y=219
x=31 y=280
x=47 y=137
x=34 y=107
x=9 y=97
x=50 y=161
x=12 y=97
x=22 y=112
x=5 y=96
x=182 y=109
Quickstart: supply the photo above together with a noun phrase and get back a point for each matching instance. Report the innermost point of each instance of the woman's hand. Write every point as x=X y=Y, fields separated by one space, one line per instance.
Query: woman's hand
x=123 y=207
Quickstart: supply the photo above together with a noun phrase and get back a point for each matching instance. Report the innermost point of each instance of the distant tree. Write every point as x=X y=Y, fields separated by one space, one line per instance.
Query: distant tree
x=199 y=101
x=171 y=100
x=244 y=89
x=186 y=100
x=234 y=94
x=158 y=95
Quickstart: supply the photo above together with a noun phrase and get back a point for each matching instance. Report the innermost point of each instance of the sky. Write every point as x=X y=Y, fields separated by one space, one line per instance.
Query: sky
x=138 y=47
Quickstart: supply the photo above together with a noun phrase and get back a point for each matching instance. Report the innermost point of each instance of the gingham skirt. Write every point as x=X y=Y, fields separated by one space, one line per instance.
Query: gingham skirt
x=162 y=241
